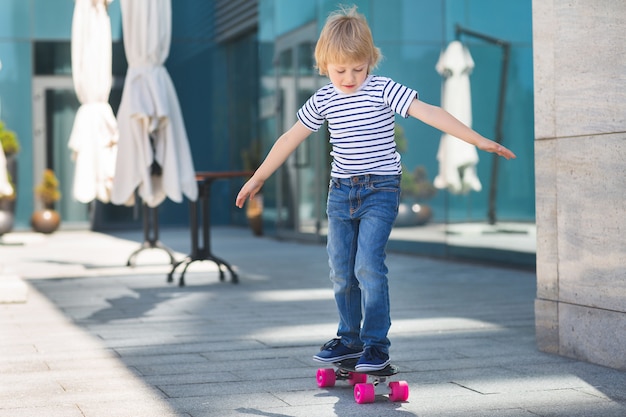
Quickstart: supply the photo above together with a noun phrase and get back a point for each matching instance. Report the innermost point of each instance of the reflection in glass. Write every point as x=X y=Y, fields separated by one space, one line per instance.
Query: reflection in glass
x=54 y=58
x=305 y=58
x=61 y=107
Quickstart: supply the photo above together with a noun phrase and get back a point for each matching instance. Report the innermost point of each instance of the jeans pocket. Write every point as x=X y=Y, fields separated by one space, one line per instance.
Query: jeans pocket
x=390 y=184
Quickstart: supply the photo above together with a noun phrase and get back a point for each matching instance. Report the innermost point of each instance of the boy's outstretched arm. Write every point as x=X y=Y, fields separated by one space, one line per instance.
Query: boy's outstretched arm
x=439 y=118
x=283 y=147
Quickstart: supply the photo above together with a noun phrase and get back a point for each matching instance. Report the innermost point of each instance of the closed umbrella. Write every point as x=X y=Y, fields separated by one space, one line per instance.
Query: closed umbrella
x=5 y=186
x=457 y=159
x=153 y=150
x=93 y=139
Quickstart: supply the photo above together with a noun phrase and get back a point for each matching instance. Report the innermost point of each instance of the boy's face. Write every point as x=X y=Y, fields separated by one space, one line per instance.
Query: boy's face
x=348 y=77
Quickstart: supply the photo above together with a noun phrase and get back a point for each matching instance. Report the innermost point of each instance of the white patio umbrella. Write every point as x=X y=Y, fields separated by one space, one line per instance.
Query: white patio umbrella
x=457 y=159
x=94 y=135
x=150 y=121
x=5 y=185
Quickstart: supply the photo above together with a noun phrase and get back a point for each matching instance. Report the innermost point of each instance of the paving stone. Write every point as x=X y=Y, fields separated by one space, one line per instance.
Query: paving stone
x=99 y=339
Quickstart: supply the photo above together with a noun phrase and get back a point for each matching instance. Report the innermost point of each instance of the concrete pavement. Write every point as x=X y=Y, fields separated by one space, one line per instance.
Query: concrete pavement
x=96 y=338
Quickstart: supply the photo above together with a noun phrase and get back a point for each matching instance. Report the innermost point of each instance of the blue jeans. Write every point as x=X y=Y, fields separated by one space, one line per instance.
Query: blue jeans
x=361 y=211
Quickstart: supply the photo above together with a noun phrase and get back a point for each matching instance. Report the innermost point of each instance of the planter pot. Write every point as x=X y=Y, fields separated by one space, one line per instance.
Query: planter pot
x=6 y=221
x=45 y=221
x=254 y=213
x=413 y=214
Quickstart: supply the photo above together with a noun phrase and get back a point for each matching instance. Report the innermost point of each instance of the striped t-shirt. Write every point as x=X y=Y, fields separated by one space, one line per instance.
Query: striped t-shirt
x=361 y=125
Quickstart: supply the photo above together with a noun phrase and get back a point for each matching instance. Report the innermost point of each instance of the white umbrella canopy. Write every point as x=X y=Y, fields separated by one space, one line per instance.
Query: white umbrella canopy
x=5 y=186
x=94 y=135
x=457 y=159
x=150 y=121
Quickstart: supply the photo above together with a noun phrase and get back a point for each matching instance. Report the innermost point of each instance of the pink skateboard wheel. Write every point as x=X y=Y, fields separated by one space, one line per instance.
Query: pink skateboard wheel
x=326 y=377
x=364 y=393
x=399 y=391
x=357 y=378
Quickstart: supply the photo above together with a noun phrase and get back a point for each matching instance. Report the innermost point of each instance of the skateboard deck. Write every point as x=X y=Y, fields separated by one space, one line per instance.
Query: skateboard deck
x=364 y=391
x=349 y=364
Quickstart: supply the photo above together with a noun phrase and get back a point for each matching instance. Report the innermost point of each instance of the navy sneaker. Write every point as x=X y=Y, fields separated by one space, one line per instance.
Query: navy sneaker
x=373 y=359
x=335 y=351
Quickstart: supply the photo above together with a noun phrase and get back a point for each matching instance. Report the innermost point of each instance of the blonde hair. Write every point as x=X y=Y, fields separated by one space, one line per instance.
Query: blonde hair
x=345 y=38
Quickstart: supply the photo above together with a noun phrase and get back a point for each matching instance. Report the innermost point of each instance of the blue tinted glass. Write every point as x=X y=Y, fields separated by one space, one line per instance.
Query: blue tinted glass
x=14 y=18
x=407 y=21
x=52 y=19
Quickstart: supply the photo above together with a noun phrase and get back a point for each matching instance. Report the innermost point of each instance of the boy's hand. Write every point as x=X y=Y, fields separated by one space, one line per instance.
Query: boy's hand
x=249 y=190
x=494 y=147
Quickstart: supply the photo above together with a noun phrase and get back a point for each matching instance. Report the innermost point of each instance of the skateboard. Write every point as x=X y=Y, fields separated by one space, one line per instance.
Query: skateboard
x=364 y=392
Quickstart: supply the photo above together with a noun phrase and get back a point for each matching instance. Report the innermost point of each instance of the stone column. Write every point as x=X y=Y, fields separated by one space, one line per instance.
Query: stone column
x=579 y=50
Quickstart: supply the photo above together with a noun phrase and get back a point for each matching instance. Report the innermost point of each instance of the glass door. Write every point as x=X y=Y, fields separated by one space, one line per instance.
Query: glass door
x=55 y=105
x=303 y=179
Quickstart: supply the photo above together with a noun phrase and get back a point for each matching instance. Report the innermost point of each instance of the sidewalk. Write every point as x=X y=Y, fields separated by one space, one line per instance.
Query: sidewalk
x=98 y=339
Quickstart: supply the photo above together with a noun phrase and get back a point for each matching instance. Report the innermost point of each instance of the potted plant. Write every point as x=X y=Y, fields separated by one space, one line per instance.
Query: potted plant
x=48 y=219
x=251 y=158
x=10 y=146
x=10 y=143
x=415 y=187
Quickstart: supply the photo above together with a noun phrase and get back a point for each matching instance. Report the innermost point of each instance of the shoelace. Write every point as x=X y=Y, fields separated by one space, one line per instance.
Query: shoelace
x=331 y=344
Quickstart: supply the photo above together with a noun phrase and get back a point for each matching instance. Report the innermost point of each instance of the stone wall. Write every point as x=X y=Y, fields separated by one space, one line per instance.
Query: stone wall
x=579 y=51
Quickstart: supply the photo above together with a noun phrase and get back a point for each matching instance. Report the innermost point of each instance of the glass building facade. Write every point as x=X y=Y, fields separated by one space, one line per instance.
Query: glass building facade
x=412 y=34
x=245 y=88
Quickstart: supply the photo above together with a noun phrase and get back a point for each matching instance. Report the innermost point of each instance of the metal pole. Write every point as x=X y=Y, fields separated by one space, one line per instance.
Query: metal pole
x=506 y=47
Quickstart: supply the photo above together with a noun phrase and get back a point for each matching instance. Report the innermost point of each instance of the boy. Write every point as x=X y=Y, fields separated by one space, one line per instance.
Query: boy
x=364 y=190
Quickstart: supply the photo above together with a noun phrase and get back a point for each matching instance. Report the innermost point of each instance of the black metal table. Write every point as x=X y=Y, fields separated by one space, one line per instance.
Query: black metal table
x=203 y=253
x=150 y=236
